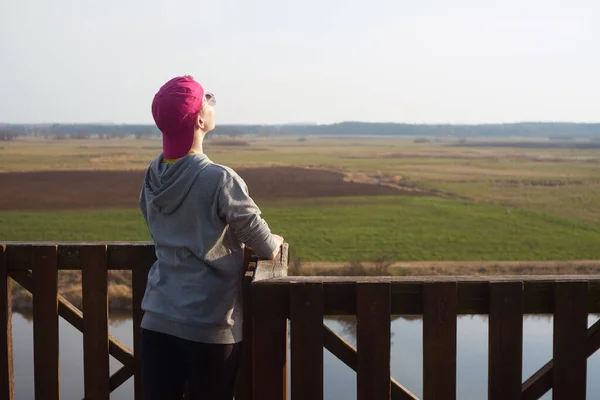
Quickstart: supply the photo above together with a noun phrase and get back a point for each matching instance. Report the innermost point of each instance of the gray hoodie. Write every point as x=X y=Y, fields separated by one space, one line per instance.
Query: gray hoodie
x=200 y=216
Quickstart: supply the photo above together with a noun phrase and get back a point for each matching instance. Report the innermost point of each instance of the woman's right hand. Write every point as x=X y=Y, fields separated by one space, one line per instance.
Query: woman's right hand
x=279 y=240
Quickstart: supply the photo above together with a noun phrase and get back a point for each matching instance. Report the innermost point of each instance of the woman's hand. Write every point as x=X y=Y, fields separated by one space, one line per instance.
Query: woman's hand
x=279 y=240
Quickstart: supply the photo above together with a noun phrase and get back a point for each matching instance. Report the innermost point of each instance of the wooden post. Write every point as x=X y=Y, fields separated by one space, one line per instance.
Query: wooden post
x=95 y=322
x=440 y=302
x=140 y=264
x=505 y=347
x=244 y=388
x=270 y=308
x=6 y=345
x=306 y=320
x=570 y=341
x=373 y=340
x=45 y=323
x=270 y=341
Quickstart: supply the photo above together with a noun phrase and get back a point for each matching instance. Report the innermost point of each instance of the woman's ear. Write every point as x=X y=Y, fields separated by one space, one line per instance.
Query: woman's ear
x=199 y=123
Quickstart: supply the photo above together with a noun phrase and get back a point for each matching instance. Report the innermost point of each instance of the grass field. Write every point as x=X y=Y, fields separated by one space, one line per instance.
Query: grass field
x=500 y=203
x=358 y=228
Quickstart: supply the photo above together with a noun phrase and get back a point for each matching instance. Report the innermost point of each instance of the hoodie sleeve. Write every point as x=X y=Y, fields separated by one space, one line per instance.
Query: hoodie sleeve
x=237 y=209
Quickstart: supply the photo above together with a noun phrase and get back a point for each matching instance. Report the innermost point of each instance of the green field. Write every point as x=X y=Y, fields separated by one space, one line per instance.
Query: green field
x=363 y=228
x=500 y=203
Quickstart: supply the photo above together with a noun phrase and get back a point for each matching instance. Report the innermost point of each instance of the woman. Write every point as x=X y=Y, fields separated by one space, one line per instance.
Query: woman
x=200 y=217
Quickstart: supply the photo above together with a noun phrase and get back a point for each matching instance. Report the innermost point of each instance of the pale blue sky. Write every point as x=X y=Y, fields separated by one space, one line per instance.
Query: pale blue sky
x=275 y=61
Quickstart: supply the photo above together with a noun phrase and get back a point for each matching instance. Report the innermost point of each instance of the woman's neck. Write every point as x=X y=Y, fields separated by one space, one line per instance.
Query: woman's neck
x=197 y=144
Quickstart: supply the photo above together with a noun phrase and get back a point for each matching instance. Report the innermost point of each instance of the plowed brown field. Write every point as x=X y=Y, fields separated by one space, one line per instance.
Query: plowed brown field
x=59 y=190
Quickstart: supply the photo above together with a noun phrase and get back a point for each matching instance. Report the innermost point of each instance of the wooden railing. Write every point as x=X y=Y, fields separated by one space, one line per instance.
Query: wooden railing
x=35 y=266
x=272 y=299
x=305 y=301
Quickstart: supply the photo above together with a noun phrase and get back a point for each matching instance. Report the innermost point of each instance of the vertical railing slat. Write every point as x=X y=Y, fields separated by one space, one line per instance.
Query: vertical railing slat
x=373 y=337
x=245 y=389
x=95 y=322
x=570 y=341
x=140 y=265
x=306 y=322
x=440 y=303
x=6 y=345
x=45 y=322
x=505 y=344
x=270 y=341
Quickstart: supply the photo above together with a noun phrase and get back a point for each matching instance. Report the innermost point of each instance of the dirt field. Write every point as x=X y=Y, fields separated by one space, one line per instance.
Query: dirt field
x=56 y=190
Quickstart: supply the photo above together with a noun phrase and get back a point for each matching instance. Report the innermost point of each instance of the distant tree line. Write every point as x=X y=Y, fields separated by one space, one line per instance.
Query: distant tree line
x=528 y=129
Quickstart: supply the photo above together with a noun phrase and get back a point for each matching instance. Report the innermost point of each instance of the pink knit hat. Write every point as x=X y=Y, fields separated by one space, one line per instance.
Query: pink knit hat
x=174 y=108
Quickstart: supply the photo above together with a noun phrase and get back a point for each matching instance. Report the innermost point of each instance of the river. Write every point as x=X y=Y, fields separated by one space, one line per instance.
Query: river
x=340 y=381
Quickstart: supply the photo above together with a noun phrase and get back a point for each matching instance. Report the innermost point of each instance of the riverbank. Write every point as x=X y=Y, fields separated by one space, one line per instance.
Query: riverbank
x=69 y=286
x=120 y=294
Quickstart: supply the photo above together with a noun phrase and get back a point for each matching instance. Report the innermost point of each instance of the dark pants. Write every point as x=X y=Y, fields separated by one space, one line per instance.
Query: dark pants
x=170 y=364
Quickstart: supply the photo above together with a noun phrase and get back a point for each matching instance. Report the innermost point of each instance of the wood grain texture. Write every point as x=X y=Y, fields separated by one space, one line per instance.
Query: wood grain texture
x=373 y=339
x=139 y=277
x=570 y=341
x=473 y=292
x=440 y=303
x=45 y=323
x=306 y=322
x=6 y=344
x=245 y=388
x=505 y=342
x=269 y=269
x=121 y=376
x=95 y=323
x=121 y=255
x=269 y=305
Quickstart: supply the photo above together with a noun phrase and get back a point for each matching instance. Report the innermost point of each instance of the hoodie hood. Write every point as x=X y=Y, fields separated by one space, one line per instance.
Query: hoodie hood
x=167 y=184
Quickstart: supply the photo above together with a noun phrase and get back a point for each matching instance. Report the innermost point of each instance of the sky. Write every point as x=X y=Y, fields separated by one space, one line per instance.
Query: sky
x=309 y=61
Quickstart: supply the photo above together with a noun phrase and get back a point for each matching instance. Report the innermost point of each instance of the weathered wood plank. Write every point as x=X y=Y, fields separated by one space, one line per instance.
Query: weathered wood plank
x=505 y=341
x=440 y=304
x=95 y=322
x=130 y=256
x=373 y=339
x=6 y=344
x=121 y=255
x=269 y=304
x=120 y=377
x=473 y=296
x=593 y=342
x=570 y=341
x=346 y=353
x=306 y=322
x=45 y=322
x=539 y=383
x=141 y=266
x=439 y=278
x=58 y=243
x=269 y=269
x=244 y=388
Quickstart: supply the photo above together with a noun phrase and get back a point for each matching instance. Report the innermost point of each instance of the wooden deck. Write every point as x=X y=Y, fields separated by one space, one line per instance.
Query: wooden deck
x=272 y=300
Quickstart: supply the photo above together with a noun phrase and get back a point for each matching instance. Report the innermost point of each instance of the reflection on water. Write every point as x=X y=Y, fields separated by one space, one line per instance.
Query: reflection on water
x=340 y=381
x=70 y=357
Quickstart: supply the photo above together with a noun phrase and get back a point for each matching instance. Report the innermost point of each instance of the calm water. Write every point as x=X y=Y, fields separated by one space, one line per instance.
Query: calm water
x=340 y=380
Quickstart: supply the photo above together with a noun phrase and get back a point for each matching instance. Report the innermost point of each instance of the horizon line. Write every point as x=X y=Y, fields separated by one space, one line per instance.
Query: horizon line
x=318 y=124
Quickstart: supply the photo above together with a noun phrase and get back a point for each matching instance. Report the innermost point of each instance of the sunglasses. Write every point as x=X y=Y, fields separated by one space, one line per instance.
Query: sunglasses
x=210 y=99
